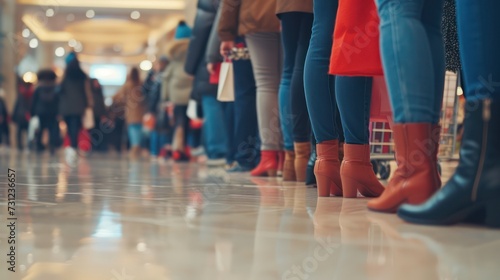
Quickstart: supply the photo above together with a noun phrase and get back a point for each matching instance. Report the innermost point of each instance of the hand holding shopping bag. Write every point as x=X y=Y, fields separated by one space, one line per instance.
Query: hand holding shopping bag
x=225 y=91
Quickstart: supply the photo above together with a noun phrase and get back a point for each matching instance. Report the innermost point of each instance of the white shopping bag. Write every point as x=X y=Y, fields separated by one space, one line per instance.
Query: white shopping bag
x=192 y=110
x=33 y=126
x=88 y=121
x=225 y=91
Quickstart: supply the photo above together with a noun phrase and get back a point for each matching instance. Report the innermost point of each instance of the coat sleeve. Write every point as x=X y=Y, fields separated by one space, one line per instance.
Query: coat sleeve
x=154 y=98
x=229 y=21
x=199 y=39
x=213 y=53
x=165 y=93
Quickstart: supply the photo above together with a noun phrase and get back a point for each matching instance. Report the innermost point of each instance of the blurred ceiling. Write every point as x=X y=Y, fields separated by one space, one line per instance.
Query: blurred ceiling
x=108 y=30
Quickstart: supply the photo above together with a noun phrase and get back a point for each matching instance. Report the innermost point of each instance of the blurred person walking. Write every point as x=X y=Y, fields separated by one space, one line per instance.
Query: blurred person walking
x=46 y=106
x=75 y=96
x=4 y=122
x=176 y=89
x=214 y=127
x=21 y=115
x=257 y=21
x=116 y=113
x=160 y=136
x=99 y=134
x=135 y=108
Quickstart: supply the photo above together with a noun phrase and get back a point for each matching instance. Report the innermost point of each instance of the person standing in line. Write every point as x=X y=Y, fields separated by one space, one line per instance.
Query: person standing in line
x=413 y=56
x=214 y=127
x=117 y=118
x=75 y=96
x=176 y=89
x=296 y=23
x=45 y=106
x=257 y=21
x=472 y=194
x=135 y=109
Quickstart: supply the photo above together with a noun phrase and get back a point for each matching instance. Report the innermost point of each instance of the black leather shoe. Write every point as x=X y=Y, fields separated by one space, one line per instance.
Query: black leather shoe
x=310 y=178
x=473 y=192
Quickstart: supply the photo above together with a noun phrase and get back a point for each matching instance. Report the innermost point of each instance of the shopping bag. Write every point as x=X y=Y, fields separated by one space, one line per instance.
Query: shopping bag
x=192 y=110
x=149 y=122
x=225 y=91
x=33 y=126
x=214 y=78
x=88 y=121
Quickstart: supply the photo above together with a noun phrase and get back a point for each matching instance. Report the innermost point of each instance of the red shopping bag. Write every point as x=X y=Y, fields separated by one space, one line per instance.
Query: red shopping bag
x=84 y=143
x=356 y=49
x=214 y=78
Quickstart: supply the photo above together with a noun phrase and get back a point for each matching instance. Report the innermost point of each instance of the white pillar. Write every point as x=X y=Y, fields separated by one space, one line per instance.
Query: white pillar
x=8 y=50
x=45 y=55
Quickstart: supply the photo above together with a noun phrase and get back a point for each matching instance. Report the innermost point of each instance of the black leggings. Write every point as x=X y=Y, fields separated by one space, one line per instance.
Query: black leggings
x=74 y=124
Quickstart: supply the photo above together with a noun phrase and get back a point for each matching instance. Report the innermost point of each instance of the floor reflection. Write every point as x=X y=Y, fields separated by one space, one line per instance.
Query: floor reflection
x=108 y=218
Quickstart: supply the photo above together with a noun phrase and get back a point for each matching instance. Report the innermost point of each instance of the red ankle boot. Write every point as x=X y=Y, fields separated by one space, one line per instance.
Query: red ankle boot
x=268 y=165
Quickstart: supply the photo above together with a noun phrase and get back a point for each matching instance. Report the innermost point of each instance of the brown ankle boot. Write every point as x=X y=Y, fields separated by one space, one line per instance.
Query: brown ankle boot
x=327 y=168
x=302 y=154
x=288 y=167
x=357 y=173
x=414 y=181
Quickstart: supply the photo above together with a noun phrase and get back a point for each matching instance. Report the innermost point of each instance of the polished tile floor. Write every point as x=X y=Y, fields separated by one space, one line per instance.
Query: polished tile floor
x=109 y=218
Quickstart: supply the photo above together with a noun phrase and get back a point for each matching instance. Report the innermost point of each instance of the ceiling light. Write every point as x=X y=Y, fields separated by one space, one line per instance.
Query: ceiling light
x=34 y=43
x=50 y=12
x=79 y=47
x=60 y=52
x=90 y=13
x=135 y=15
x=146 y=65
x=72 y=43
x=26 y=33
x=29 y=77
x=70 y=17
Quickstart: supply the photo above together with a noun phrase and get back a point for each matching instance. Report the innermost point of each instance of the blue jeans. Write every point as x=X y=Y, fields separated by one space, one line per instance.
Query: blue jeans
x=295 y=35
x=413 y=56
x=246 y=129
x=135 y=134
x=157 y=140
x=478 y=27
x=354 y=95
x=319 y=86
x=214 y=128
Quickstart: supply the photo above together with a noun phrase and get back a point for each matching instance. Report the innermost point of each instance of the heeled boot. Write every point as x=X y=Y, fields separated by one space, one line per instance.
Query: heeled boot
x=302 y=154
x=357 y=173
x=310 y=178
x=414 y=181
x=288 y=167
x=473 y=192
x=327 y=169
x=268 y=165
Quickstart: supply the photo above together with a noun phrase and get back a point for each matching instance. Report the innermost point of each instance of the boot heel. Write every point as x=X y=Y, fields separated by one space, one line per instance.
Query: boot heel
x=492 y=218
x=350 y=187
x=324 y=184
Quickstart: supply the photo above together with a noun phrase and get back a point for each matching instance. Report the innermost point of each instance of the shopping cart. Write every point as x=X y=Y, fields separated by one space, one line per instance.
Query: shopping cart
x=381 y=141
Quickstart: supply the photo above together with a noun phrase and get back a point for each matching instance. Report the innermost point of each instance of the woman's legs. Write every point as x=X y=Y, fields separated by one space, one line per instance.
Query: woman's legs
x=473 y=192
x=413 y=58
x=354 y=99
x=320 y=96
x=74 y=124
x=214 y=128
x=265 y=52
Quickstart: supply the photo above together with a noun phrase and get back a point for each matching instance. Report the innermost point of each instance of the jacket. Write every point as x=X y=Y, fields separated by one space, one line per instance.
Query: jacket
x=286 y=6
x=45 y=101
x=241 y=17
x=155 y=104
x=195 y=63
x=135 y=105
x=4 y=116
x=74 y=96
x=177 y=85
x=213 y=48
